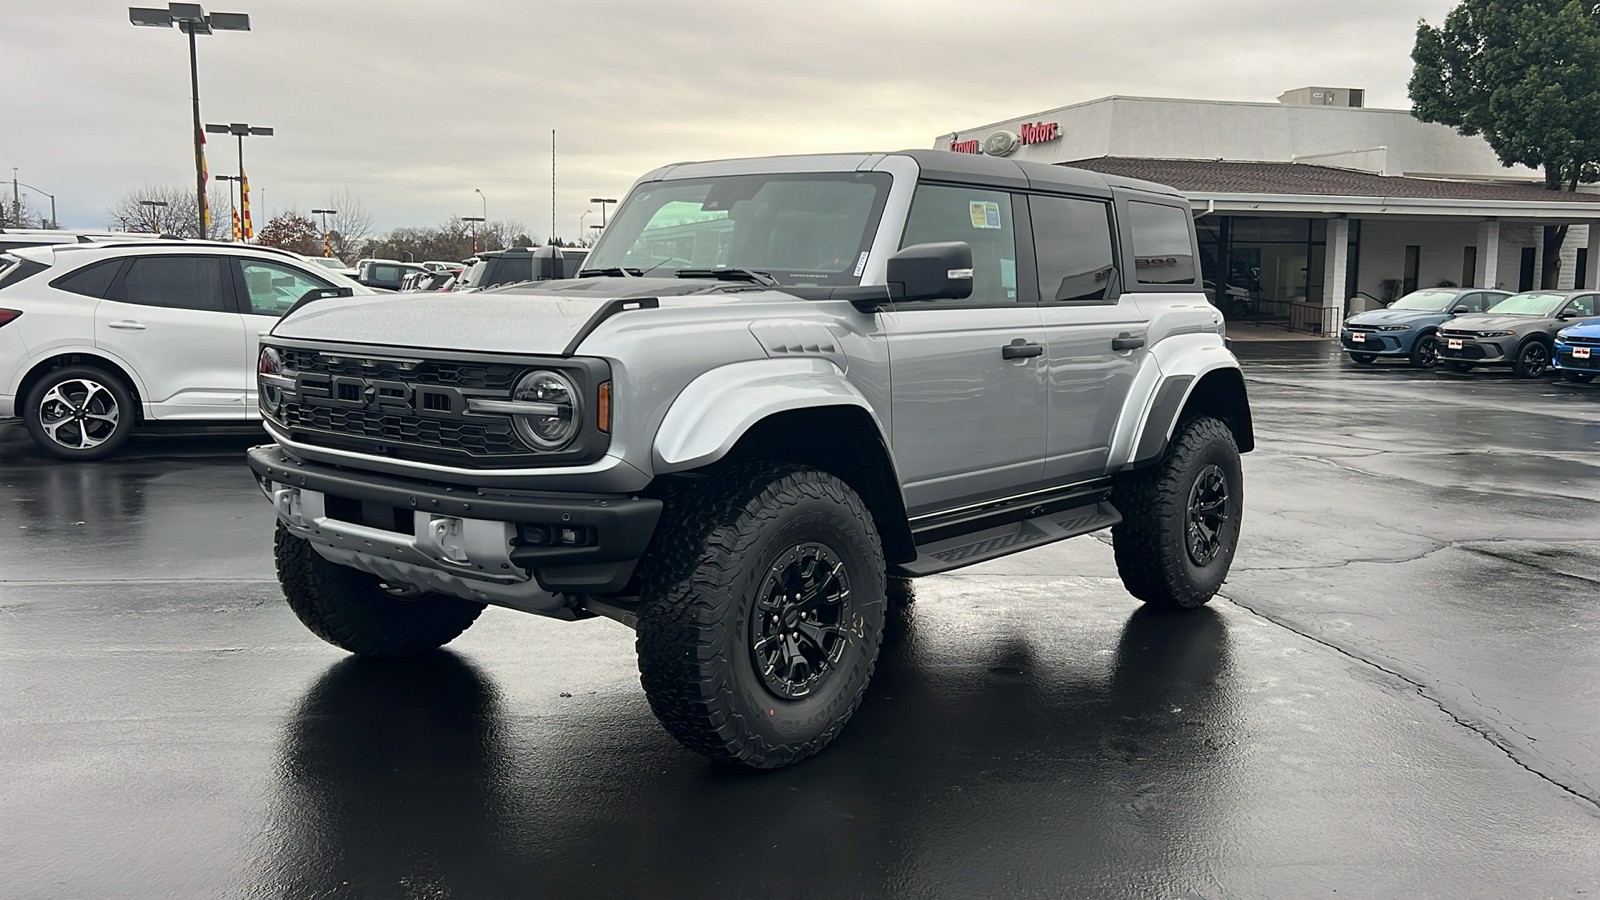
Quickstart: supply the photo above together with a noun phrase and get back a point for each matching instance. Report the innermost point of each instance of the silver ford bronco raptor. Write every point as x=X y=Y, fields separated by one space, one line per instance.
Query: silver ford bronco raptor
x=778 y=388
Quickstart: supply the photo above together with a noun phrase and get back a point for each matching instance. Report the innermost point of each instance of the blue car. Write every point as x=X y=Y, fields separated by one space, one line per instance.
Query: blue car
x=1409 y=327
x=1577 y=352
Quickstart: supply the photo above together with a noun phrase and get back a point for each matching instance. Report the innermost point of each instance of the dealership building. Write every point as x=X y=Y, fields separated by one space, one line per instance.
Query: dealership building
x=1315 y=206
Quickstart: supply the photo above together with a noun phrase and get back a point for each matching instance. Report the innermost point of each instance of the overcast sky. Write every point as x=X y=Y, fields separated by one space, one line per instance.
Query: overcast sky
x=410 y=105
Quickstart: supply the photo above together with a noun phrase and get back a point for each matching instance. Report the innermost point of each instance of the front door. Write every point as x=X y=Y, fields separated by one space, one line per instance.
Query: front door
x=172 y=319
x=968 y=377
x=268 y=290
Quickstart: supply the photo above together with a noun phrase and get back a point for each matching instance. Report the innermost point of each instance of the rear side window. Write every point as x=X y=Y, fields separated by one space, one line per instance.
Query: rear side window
x=1073 y=242
x=1163 y=252
x=176 y=282
x=383 y=273
x=91 y=280
x=13 y=269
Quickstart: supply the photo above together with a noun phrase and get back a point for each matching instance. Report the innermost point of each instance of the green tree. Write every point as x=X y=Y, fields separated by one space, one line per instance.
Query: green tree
x=1525 y=74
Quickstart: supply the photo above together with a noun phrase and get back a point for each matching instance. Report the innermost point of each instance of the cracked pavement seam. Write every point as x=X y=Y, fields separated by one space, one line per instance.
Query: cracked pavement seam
x=1482 y=731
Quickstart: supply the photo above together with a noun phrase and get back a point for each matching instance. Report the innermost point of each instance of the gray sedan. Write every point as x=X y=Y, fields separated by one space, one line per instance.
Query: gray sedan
x=1517 y=332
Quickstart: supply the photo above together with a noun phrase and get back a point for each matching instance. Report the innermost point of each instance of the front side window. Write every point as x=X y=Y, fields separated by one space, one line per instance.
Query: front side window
x=802 y=229
x=272 y=288
x=1073 y=240
x=176 y=282
x=1163 y=252
x=1581 y=306
x=979 y=218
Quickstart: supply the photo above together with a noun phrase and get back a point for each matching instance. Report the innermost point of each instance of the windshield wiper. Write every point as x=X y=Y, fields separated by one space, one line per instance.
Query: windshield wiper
x=610 y=272
x=749 y=275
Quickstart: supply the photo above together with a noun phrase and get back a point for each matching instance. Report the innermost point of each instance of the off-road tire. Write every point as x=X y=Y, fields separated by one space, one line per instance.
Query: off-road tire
x=1364 y=359
x=1533 y=359
x=127 y=411
x=901 y=591
x=353 y=611
x=1577 y=377
x=713 y=553
x=1421 y=358
x=1150 y=543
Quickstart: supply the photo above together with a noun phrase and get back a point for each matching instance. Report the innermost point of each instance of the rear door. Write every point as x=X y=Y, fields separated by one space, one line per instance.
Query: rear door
x=266 y=290
x=967 y=393
x=172 y=318
x=1094 y=334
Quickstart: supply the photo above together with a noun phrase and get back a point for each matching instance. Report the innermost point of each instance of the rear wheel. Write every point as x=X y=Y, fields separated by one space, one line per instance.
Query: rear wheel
x=357 y=612
x=1180 y=518
x=1533 y=359
x=1425 y=352
x=79 y=412
x=1365 y=359
x=762 y=614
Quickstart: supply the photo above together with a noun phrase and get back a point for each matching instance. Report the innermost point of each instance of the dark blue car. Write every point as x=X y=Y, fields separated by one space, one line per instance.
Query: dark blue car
x=1409 y=327
x=1577 y=352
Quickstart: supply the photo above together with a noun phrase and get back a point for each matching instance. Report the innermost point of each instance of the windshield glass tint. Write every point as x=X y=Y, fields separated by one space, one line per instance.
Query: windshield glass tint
x=1433 y=301
x=1530 y=305
x=800 y=229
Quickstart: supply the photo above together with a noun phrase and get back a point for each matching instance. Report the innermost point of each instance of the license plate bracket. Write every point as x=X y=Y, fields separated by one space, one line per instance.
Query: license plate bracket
x=1453 y=343
x=1580 y=352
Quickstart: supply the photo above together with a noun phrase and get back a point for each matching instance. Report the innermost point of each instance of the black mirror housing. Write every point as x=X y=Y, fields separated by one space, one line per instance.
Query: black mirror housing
x=1460 y=310
x=941 y=271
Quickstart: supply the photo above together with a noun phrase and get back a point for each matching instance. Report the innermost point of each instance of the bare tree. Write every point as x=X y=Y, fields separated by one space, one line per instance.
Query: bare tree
x=18 y=214
x=349 y=228
x=165 y=209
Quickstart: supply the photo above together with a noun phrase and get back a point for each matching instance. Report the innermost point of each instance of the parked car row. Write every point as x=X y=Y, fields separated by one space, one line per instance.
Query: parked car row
x=1460 y=329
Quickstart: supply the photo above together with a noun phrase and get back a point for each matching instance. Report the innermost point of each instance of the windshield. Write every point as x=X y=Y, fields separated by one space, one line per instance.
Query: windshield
x=1432 y=301
x=811 y=229
x=1530 y=305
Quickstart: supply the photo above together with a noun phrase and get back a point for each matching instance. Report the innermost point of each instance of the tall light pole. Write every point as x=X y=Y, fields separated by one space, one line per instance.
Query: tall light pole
x=155 y=217
x=325 y=213
x=240 y=130
x=16 y=201
x=586 y=214
x=602 y=201
x=477 y=220
x=485 y=203
x=233 y=206
x=192 y=19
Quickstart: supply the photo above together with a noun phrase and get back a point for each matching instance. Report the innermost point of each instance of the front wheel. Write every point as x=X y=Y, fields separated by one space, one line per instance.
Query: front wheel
x=357 y=612
x=762 y=614
x=1425 y=352
x=1180 y=518
x=1533 y=359
x=79 y=413
x=1577 y=377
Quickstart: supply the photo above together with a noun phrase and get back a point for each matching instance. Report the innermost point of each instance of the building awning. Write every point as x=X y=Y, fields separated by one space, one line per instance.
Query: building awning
x=1249 y=188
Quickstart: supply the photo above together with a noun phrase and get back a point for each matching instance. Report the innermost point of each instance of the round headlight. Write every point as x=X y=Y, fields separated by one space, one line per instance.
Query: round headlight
x=269 y=363
x=555 y=427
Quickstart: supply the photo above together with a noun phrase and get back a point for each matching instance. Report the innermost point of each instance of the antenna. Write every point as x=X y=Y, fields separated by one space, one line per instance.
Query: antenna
x=552 y=183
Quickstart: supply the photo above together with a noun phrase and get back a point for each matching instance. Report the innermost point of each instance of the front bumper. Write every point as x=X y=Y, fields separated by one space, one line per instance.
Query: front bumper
x=1377 y=343
x=1478 y=351
x=509 y=548
x=1563 y=358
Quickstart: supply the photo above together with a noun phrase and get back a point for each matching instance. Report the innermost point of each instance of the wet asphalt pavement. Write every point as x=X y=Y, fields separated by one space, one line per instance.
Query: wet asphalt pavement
x=1399 y=696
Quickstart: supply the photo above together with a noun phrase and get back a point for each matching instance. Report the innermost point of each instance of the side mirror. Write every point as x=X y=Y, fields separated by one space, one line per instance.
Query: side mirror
x=316 y=294
x=1460 y=310
x=931 y=272
x=1563 y=317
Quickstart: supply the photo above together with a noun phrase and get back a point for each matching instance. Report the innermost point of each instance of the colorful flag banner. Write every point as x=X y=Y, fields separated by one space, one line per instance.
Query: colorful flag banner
x=238 y=232
x=205 y=180
x=244 y=204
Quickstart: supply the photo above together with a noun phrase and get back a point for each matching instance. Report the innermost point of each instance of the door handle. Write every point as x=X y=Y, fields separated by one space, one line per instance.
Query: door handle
x=1021 y=349
x=127 y=325
x=1126 y=341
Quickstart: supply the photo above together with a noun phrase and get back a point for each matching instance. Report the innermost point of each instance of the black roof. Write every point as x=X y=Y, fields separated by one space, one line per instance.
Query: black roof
x=944 y=165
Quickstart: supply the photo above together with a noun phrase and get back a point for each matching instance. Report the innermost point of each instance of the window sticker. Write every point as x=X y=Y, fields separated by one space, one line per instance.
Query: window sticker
x=861 y=264
x=984 y=213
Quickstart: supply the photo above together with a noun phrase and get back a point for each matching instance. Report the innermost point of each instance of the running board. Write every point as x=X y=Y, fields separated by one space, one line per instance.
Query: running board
x=1004 y=540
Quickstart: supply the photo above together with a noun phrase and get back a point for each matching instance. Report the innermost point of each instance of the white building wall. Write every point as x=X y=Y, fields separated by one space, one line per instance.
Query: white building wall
x=1383 y=252
x=1151 y=128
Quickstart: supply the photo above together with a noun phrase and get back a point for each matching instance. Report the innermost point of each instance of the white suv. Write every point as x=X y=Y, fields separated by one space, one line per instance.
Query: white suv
x=98 y=337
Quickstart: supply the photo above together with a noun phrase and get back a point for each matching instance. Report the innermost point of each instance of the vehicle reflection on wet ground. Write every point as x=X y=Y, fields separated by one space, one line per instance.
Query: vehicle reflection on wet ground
x=1395 y=700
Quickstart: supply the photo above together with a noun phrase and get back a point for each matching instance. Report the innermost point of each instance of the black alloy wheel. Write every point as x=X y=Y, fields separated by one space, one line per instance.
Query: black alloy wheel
x=1533 y=359
x=1208 y=513
x=797 y=635
x=1425 y=352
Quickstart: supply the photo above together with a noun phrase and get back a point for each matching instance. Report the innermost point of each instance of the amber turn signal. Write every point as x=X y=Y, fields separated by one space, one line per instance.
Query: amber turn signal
x=603 y=417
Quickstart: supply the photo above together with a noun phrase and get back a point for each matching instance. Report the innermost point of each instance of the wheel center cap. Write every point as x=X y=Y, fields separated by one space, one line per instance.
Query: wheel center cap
x=791 y=617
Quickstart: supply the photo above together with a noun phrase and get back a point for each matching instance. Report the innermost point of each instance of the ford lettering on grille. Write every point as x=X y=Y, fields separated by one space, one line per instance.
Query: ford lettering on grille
x=379 y=395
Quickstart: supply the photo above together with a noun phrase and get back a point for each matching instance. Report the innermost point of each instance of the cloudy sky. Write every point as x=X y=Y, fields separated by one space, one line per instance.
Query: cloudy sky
x=410 y=105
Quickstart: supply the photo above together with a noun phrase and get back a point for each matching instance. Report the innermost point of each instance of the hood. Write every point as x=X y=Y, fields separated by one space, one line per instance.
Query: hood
x=1490 y=322
x=1397 y=317
x=535 y=319
x=1585 y=330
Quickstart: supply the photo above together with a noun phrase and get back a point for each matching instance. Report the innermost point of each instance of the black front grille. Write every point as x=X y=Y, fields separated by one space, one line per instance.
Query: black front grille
x=1568 y=361
x=1582 y=339
x=491 y=437
x=470 y=375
